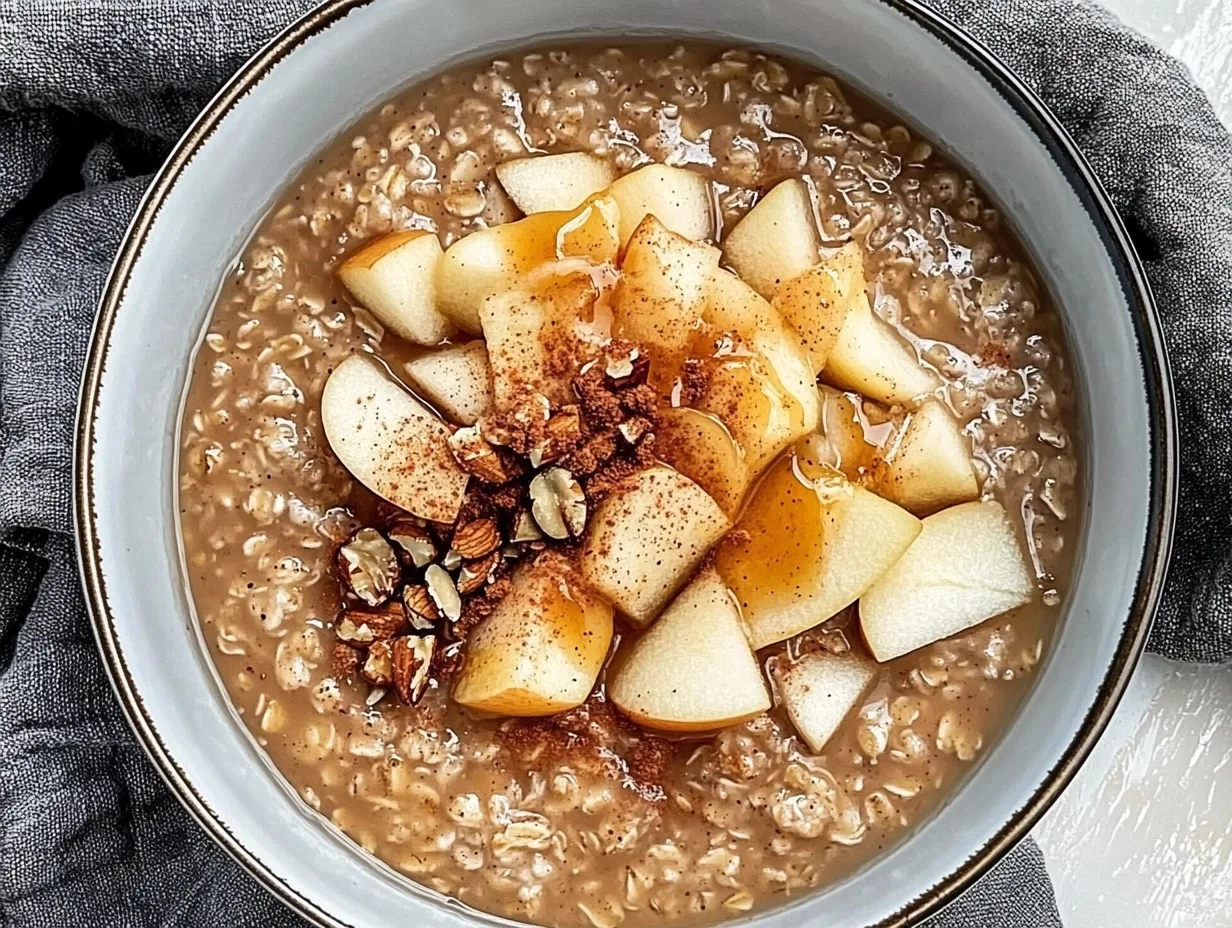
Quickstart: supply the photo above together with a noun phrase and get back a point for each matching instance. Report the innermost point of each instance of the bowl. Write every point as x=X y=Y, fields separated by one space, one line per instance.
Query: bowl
x=343 y=59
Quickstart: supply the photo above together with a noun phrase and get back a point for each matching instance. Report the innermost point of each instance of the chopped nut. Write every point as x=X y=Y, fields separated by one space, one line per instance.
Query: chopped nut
x=378 y=667
x=562 y=434
x=477 y=537
x=369 y=566
x=477 y=574
x=477 y=456
x=626 y=370
x=360 y=629
x=346 y=660
x=452 y=560
x=421 y=612
x=526 y=528
x=443 y=592
x=412 y=660
x=415 y=541
x=558 y=503
x=634 y=430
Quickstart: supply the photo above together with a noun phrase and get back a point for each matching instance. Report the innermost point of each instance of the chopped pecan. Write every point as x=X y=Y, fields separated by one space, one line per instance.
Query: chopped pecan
x=346 y=661
x=421 y=611
x=378 y=668
x=361 y=628
x=476 y=538
x=411 y=663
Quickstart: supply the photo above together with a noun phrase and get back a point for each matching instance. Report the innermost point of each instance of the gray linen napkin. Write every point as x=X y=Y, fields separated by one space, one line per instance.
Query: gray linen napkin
x=92 y=95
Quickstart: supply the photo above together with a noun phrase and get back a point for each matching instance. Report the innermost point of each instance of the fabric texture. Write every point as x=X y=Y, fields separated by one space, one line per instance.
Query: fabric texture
x=92 y=95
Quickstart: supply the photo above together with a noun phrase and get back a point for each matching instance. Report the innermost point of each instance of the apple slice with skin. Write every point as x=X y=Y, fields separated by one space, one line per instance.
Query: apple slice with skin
x=394 y=278
x=390 y=442
x=927 y=466
x=776 y=241
x=457 y=380
x=807 y=547
x=646 y=537
x=819 y=689
x=541 y=649
x=498 y=258
x=694 y=670
x=660 y=297
x=533 y=341
x=964 y=568
x=545 y=183
x=678 y=198
x=700 y=446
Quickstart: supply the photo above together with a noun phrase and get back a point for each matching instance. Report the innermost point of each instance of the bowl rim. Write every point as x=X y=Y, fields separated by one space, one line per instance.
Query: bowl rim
x=1148 y=586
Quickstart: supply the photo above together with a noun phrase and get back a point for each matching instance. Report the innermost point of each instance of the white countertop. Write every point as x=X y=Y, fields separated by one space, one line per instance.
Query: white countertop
x=1143 y=837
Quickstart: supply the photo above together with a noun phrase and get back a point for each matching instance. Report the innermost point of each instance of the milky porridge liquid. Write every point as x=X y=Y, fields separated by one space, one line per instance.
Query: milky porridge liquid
x=584 y=820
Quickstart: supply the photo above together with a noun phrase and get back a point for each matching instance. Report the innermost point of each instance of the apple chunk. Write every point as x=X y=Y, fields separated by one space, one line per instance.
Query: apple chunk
x=544 y=183
x=391 y=442
x=457 y=380
x=694 y=670
x=533 y=338
x=700 y=446
x=928 y=464
x=814 y=303
x=965 y=567
x=677 y=197
x=818 y=691
x=659 y=300
x=499 y=258
x=541 y=649
x=394 y=278
x=777 y=240
x=645 y=538
x=849 y=440
x=806 y=548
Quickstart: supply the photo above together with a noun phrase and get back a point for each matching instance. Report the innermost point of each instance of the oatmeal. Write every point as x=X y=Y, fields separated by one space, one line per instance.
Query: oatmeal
x=718 y=539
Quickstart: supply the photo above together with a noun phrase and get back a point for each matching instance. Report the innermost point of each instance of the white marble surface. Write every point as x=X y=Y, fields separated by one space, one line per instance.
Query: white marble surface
x=1143 y=838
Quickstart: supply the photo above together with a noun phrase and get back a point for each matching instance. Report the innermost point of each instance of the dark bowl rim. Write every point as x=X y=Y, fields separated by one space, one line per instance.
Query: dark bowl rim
x=1159 y=396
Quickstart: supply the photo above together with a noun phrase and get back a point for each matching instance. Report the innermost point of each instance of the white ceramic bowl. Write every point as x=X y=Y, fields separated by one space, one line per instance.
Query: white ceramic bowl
x=350 y=55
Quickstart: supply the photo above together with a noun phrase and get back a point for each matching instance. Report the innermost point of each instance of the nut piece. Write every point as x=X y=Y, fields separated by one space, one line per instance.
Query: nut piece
x=478 y=574
x=415 y=541
x=369 y=566
x=526 y=528
x=477 y=456
x=421 y=612
x=346 y=660
x=443 y=592
x=360 y=629
x=635 y=429
x=412 y=659
x=625 y=370
x=561 y=435
x=378 y=667
x=477 y=537
x=452 y=560
x=558 y=503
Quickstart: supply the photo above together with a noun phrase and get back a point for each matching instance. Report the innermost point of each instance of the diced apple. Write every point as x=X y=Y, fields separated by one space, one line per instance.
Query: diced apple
x=807 y=547
x=776 y=241
x=819 y=689
x=498 y=258
x=391 y=442
x=817 y=308
x=541 y=649
x=849 y=440
x=677 y=197
x=457 y=380
x=646 y=537
x=694 y=670
x=927 y=466
x=733 y=306
x=533 y=340
x=544 y=183
x=964 y=568
x=394 y=278
x=659 y=300
x=700 y=446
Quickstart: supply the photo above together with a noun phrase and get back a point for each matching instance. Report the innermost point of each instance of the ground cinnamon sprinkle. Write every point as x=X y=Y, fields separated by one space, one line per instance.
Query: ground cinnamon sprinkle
x=694 y=380
x=995 y=354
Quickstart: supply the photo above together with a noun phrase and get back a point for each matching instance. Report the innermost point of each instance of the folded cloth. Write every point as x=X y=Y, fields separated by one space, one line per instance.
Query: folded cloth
x=92 y=95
